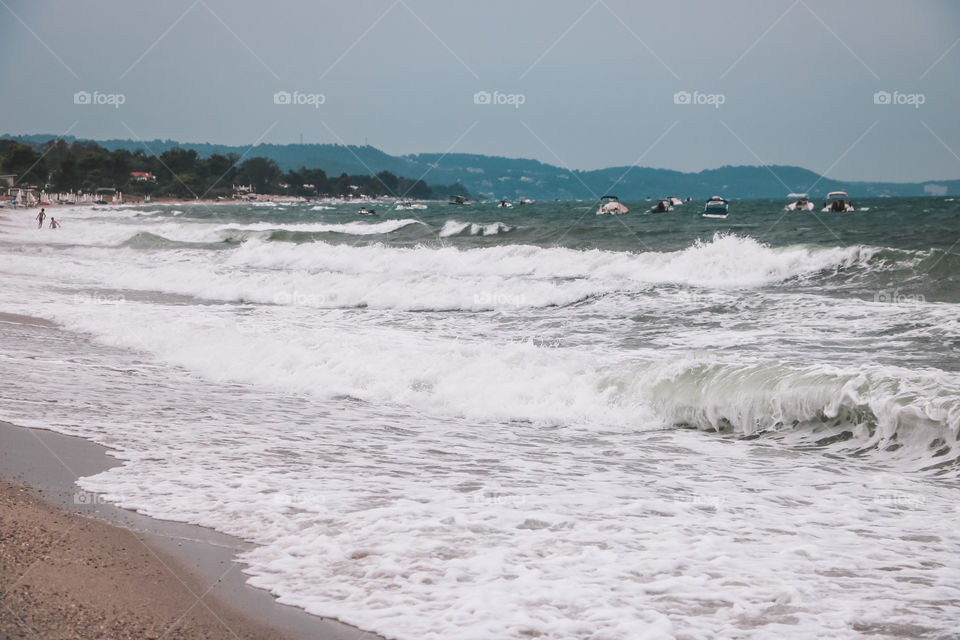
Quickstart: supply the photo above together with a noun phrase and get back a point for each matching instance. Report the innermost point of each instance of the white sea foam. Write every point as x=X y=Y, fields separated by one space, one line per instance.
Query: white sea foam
x=454 y=228
x=508 y=469
x=420 y=527
x=352 y=228
x=106 y=231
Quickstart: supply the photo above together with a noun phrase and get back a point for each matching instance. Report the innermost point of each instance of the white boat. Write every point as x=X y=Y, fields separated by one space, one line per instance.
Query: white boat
x=837 y=202
x=664 y=205
x=505 y=205
x=716 y=207
x=406 y=205
x=459 y=200
x=675 y=201
x=611 y=205
x=802 y=203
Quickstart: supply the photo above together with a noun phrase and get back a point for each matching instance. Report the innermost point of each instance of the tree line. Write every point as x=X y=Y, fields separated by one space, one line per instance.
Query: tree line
x=86 y=166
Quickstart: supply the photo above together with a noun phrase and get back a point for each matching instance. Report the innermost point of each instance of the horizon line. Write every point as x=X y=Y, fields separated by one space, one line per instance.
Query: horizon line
x=368 y=145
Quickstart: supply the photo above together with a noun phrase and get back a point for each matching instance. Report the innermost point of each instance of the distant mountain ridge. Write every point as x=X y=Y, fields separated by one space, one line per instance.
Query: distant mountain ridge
x=497 y=177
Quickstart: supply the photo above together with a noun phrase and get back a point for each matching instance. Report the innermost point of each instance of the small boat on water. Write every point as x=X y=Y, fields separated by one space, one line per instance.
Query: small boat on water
x=505 y=205
x=367 y=212
x=664 y=205
x=459 y=200
x=801 y=203
x=406 y=205
x=837 y=202
x=611 y=205
x=716 y=207
x=675 y=201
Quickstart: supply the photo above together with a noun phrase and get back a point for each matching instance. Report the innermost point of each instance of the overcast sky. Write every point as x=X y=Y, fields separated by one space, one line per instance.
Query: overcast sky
x=582 y=83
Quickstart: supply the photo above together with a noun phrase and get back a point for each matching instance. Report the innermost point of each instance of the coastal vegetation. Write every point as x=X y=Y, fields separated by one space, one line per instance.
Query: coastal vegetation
x=62 y=166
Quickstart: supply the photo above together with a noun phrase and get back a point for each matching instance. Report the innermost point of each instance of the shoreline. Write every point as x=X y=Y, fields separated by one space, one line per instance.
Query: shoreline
x=190 y=559
x=173 y=201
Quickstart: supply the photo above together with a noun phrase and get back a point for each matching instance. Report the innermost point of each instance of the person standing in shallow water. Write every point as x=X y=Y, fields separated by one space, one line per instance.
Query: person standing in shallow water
x=40 y=217
x=53 y=223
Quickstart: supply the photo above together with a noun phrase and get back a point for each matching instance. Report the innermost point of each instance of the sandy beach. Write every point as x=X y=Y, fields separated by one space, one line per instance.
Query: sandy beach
x=74 y=567
x=70 y=576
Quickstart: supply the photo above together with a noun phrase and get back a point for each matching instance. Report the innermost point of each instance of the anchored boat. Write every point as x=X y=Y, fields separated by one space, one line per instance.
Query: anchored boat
x=716 y=207
x=664 y=205
x=611 y=205
x=837 y=202
x=801 y=203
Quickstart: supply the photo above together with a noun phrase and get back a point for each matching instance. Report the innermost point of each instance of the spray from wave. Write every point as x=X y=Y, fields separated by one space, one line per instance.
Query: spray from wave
x=453 y=228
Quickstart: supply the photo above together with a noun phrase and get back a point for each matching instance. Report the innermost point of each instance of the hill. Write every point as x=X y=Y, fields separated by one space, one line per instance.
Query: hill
x=497 y=177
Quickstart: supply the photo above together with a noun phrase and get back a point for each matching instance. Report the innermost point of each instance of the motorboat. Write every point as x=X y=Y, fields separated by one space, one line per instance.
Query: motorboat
x=406 y=205
x=503 y=204
x=675 y=201
x=611 y=205
x=459 y=200
x=716 y=207
x=664 y=205
x=837 y=202
x=801 y=203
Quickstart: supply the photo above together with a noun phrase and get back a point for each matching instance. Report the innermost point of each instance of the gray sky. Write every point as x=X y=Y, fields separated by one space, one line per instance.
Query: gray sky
x=597 y=80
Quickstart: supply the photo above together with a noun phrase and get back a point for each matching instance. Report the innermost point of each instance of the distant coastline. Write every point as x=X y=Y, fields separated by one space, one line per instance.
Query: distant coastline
x=492 y=177
x=84 y=172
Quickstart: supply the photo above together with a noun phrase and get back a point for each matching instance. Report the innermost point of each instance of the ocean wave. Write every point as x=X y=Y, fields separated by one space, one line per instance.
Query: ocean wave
x=455 y=228
x=355 y=228
x=504 y=277
x=912 y=415
x=725 y=261
x=112 y=232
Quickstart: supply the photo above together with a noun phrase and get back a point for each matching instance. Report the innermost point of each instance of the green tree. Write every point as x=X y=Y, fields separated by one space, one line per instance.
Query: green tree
x=28 y=165
x=262 y=173
x=179 y=160
x=67 y=175
x=388 y=182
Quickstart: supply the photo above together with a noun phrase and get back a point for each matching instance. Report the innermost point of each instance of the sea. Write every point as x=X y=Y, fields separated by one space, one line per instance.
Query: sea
x=485 y=423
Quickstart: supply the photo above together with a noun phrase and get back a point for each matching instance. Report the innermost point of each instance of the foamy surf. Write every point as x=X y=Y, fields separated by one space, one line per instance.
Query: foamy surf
x=553 y=431
x=454 y=228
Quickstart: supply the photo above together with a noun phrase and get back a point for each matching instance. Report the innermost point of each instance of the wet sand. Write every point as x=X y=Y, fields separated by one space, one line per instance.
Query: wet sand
x=72 y=566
